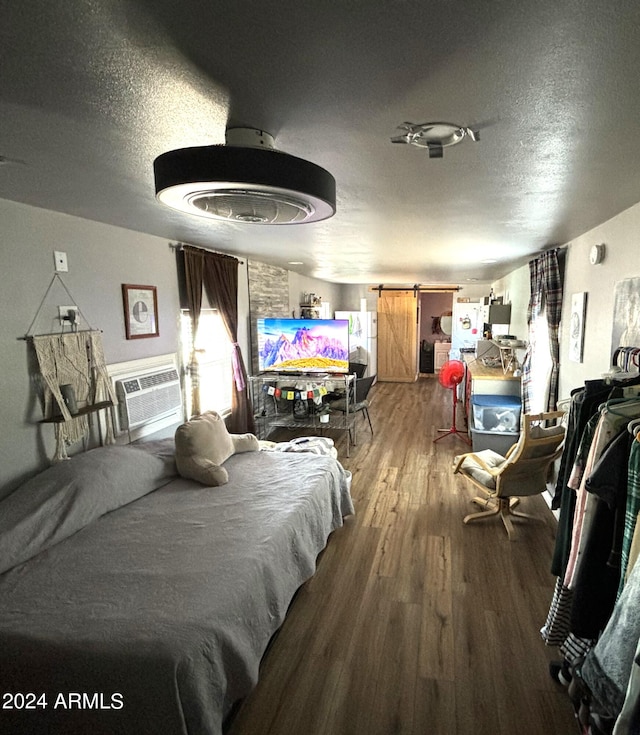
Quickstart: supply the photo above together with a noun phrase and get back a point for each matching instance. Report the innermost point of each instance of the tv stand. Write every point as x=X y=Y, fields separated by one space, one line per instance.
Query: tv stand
x=273 y=404
x=301 y=374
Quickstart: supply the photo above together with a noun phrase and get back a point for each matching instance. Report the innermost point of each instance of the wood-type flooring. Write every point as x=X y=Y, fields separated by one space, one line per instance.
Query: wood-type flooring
x=415 y=624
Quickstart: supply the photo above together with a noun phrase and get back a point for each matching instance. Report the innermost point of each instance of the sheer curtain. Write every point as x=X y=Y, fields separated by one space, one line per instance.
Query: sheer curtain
x=218 y=274
x=543 y=354
x=193 y=266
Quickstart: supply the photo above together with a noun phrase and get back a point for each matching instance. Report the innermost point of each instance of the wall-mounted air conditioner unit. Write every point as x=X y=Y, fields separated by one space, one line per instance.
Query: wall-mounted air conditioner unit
x=148 y=397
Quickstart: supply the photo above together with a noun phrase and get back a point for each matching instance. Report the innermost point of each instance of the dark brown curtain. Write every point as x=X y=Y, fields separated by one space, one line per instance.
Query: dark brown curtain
x=219 y=275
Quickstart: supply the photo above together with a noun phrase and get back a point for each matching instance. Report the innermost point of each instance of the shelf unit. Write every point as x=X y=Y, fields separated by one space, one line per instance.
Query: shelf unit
x=273 y=411
x=59 y=418
x=310 y=311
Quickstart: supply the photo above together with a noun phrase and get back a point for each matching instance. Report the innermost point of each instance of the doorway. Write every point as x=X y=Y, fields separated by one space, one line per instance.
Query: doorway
x=433 y=331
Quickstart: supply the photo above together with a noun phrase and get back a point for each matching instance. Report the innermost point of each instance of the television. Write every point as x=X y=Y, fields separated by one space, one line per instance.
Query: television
x=303 y=345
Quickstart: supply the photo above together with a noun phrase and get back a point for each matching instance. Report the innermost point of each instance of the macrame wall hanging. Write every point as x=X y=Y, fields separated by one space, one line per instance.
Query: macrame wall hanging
x=73 y=381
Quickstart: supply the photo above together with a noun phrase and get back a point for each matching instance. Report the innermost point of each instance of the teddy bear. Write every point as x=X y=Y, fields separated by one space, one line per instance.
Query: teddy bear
x=203 y=444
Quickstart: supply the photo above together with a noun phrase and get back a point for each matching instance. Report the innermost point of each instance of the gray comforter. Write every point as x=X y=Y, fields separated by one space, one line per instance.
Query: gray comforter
x=152 y=616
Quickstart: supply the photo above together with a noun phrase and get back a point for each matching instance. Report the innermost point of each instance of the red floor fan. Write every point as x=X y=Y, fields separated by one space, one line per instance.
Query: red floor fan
x=450 y=376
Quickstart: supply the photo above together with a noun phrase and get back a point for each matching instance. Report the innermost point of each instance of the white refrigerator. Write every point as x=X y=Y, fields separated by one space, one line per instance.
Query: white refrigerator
x=363 y=338
x=466 y=326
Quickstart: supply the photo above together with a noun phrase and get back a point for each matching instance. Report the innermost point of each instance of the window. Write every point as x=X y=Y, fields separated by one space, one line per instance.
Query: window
x=213 y=351
x=541 y=362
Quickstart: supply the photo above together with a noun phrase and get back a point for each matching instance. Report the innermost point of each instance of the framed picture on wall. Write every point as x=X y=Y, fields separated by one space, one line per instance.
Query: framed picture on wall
x=576 y=326
x=140 y=311
x=626 y=314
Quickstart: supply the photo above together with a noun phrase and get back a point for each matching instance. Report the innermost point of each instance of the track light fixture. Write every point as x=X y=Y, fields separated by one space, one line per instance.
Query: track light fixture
x=435 y=136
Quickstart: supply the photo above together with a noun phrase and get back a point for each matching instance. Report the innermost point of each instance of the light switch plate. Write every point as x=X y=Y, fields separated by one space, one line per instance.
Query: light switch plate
x=60 y=261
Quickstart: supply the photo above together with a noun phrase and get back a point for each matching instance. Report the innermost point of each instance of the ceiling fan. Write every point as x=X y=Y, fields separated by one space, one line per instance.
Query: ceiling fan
x=247 y=181
x=436 y=136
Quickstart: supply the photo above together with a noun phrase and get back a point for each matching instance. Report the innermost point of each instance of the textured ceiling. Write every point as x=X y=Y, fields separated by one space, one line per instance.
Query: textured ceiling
x=92 y=91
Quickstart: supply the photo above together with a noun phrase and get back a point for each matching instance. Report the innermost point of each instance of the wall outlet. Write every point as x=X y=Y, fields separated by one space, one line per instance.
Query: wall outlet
x=60 y=261
x=68 y=314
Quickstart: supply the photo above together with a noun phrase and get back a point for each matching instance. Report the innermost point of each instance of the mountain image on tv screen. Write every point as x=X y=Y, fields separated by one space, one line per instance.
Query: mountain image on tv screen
x=304 y=345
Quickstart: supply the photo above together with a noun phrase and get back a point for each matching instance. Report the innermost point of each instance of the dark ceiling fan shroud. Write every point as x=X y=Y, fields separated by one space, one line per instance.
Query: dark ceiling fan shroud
x=248 y=183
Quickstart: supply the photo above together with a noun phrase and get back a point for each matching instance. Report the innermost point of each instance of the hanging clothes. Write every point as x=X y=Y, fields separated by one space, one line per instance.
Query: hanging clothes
x=574 y=624
x=581 y=422
x=596 y=581
x=607 y=667
x=631 y=512
x=594 y=616
x=628 y=723
x=584 y=404
x=612 y=419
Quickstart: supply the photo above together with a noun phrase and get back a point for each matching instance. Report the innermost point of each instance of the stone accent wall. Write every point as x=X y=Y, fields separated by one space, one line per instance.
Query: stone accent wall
x=268 y=297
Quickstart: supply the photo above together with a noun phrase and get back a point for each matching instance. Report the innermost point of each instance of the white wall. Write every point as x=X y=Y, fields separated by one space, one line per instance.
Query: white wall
x=298 y=284
x=100 y=258
x=351 y=296
x=515 y=290
x=621 y=236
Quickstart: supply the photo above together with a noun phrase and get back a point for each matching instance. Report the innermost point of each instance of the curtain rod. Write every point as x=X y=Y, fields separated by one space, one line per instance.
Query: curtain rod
x=182 y=245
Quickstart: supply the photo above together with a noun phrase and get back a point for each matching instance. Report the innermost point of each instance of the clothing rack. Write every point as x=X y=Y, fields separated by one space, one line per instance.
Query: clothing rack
x=625 y=369
x=597 y=569
x=627 y=357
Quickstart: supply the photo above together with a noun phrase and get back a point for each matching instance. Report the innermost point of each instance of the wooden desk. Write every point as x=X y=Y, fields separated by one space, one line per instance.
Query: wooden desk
x=483 y=380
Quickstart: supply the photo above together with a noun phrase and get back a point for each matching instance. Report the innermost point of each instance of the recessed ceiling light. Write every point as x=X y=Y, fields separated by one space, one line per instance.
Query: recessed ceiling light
x=295 y=262
x=472 y=279
x=489 y=260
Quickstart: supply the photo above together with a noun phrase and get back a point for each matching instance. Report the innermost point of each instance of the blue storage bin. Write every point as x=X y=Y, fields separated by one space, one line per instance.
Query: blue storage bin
x=496 y=413
x=499 y=441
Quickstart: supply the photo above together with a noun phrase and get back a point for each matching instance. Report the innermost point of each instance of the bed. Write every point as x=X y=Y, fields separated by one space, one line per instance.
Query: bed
x=135 y=601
